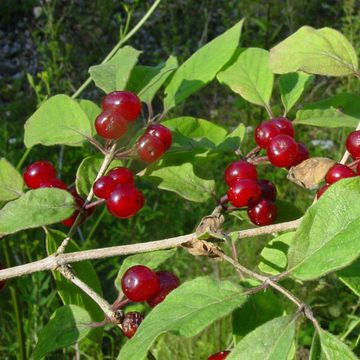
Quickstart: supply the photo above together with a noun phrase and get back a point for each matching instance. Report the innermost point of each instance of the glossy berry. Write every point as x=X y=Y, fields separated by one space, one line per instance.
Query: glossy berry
x=353 y=144
x=125 y=103
x=262 y=212
x=243 y=191
x=219 y=356
x=282 y=151
x=358 y=168
x=265 y=132
x=121 y=175
x=285 y=126
x=338 y=172
x=322 y=190
x=268 y=189
x=168 y=282
x=103 y=187
x=37 y=173
x=125 y=201
x=140 y=283
x=302 y=155
x=240 y=170
x=150 y=148
x=110 y=125
x=131 y=322
x=162 y=133
x=54 y=183
x=2 y=283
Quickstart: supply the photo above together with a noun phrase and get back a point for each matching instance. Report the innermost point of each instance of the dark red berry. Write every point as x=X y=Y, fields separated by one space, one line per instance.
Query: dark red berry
x=162 y=133
x=125 y=201
x=140 y=283
x=110 y=125
x=268 y=189
x=322 y=190
x=168 y=282
x=265 y=132
x=282 y=151
x=103 y=187
x=338 y=172
x=285 y=126
x=54 y=183
x=150 y=148
x=131 y=322
x=121 y=175
x=125 y=103
x=79 y=202
x=240 y=170
x=38 y=172
x=262 y=212
x=358 y=168
x=302 y=155
x=353 y=144
x=2 y=283
x=219 y=356
x=243 y=191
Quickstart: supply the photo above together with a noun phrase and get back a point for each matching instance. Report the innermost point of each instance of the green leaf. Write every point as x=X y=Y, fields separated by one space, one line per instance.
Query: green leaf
x=202 y=67
x=151 y=259
x=71 y=294
x=271 y=341
x=67 y=325
x=249 y=76
x=341 y=110
x=185 y=312
x=114 y=74
x=350 y=276
x=36 y=208
x=59 y=120
x=11 y=182
x=324 y=52
x=292 y=85
x=182 y=180
x=92 y=111
x=233 y=140
x=273 y=258
x=327 y=238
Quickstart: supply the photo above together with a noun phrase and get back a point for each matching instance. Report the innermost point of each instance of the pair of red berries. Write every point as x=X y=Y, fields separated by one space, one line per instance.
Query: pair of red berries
x=277 y=137
x=219 y=356
x=123 y=199
x=245 y=189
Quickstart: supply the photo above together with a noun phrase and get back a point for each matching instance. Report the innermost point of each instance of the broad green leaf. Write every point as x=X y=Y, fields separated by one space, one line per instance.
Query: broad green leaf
x=68 y=325
x=249 y=76
x=327 y=238
x=315 y=351
x=59 y=120
x=71 y=294
x=324 y=51
x=151 y=259
x=350 y=276
x=92 y=111
x=271 y=341
x=185 y=312
x=292 y=85
x=36 y=208
x=182 y=180
x=273 y=258
x=233 y=140
x=202 y=67
x=114 y=74
x=341 y=110
x=11 y=182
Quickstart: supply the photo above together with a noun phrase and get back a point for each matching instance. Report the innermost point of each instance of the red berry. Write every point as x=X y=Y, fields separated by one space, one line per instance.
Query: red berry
x=130 y=323
x=243 y=191
x=121 y=175
x=219 y=356
x=125 y=103
x=302 y=155
x=338 y=172
x=262 y=213
x=139 y=283
x=285 y=126
x=268 y=189
x=104 y=186
x=110 y=125
x=282 y=151
x=150 y=148
x=162 y=133
x=265 y=132
x=168 y=282
x=2 y=283
x=54 y=183
x=38 y=172
x=79 y=202
x=358 y=168
x=353 y=144
x=240 y=170
x=322 y=190
x=125 y=201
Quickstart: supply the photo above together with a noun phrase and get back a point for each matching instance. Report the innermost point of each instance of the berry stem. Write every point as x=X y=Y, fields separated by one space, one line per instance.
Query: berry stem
x=258 y=160
x=253 y=152
x=94 y=203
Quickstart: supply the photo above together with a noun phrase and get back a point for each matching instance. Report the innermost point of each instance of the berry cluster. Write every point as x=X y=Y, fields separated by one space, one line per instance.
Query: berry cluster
x=246 y=190
x=219 y=356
